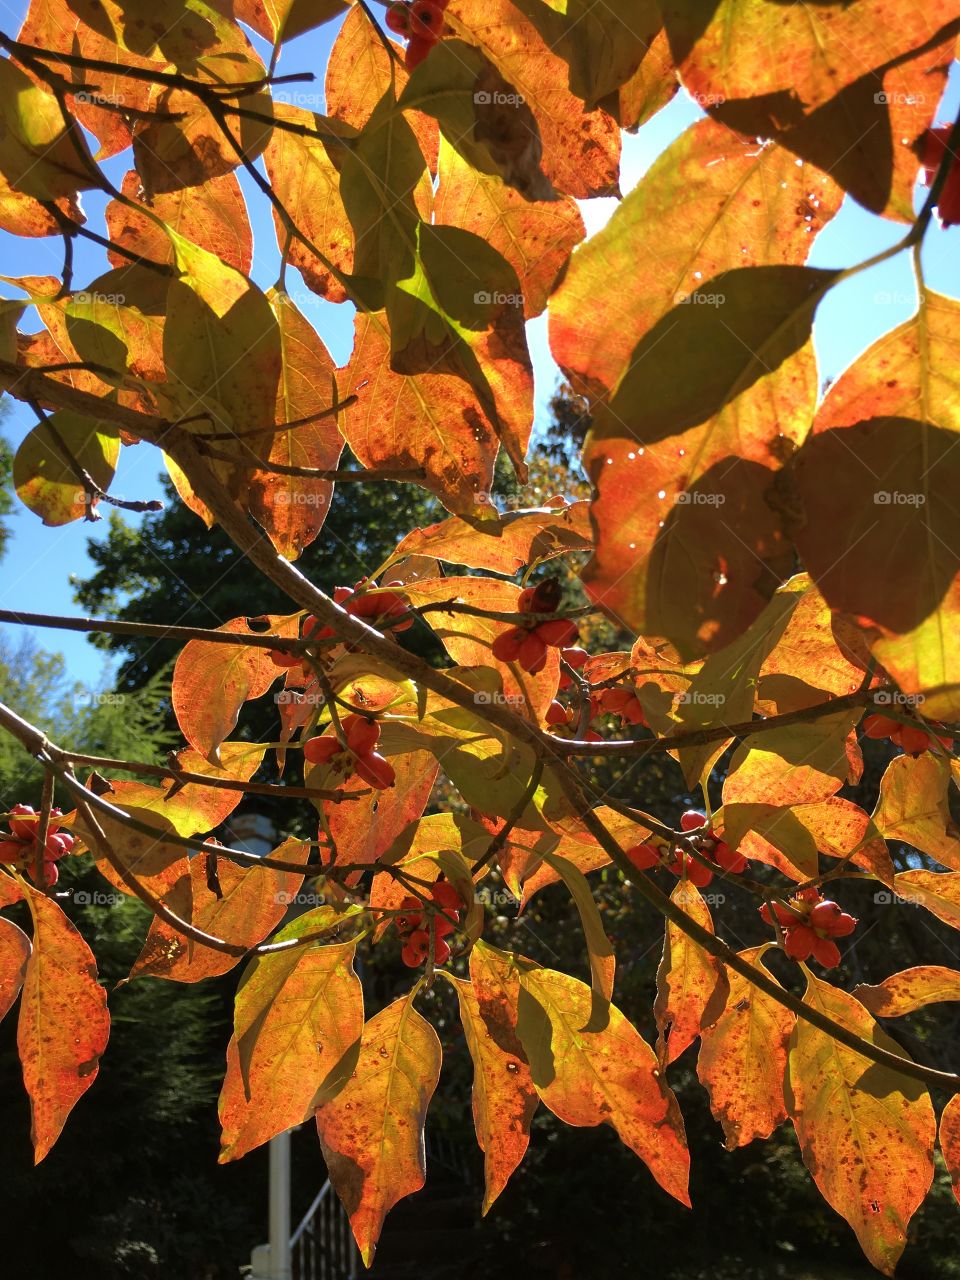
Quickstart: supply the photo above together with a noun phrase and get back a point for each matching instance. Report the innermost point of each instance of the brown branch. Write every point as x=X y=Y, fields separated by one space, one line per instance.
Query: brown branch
x=156 y=630
x=331 y=412
x=309 y=473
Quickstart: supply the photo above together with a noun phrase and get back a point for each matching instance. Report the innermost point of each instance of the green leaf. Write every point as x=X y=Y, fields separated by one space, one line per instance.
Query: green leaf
x=47 y=481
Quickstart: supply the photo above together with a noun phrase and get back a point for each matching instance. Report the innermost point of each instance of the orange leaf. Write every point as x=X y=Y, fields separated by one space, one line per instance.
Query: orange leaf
x=212 y=681
x=504 y=1097
x=866 y=1132
x=64 y=1023
x=692 y=987
x=938 y=891
x=371 y=1133
x=914 y=807
x=15 y=952
x=743 y=1057
x=950 y=1140
x=297 y=1014
x=909 y=990
x=600 y=1077
x=254 y=900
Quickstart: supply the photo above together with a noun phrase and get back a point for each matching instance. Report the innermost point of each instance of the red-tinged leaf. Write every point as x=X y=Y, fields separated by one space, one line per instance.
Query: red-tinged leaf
x=305 y=173
x=879 y=478
x=805 y=56
x=909 y=990
x=297 y=1014
x=866 y=1132
x=506 y=543
x=950 y=1140
x=212 y=215
x=292 y=510
x=184 y=488
x=799 y=764
x=790 y=838
x=363 y=829
x=253 y=900
x=212 y=681
x=692 y=987
x=10 y=890
x=359 y=73
x=155 y=860
x=743 y=1057
x=24 y=215
x=278 y=20
x=468 y=640
x=371 y=1133
x=600 y=1077
x=432 y=422
x=938 y=891
x=47 y=482
x=64 y=1023
x=504 y=1097
x=818 y=655
x=914 y=807
x=535 y=236
x=581 y=149
x=712 y=202
x=15 y=952
x=865 y=136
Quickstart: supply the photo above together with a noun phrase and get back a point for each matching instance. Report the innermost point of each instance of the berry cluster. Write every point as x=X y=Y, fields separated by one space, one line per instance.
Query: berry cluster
x=810 y=923
x=911 y=739
x=934 y=148
x=647 y=856
x=360 y=756
x=618 y=700
x=528 y=643
x=415 y=931
x=19 y=844
x=421 y=21
x=377 y=608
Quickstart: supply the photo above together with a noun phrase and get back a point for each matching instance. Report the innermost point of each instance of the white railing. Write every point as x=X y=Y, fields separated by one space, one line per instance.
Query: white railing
x=322 y=1247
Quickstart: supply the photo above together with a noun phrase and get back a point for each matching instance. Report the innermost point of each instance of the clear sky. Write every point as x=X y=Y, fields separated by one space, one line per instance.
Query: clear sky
x=35 y=575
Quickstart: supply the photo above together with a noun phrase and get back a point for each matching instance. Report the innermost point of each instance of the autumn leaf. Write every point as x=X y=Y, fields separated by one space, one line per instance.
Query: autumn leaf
x=866 y=1132
x=298 y=1012
x=914 y=807
x=938 y=891
x=64 y=1023
x=252 y=901
x=692 y=987
x=791 y=839
x=39 y=156
x=909 y=990
x=600 y=1077
x=743 y=1057
x=278 y=20
x=798 y=764
x=209 y=688
x=44 y=474
x=504 y=1098
x=950 y=1140
x=15 y=952
x=371 y=1133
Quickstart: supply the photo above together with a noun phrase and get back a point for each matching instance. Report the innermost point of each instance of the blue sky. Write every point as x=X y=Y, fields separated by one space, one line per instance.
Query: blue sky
x=39 y=563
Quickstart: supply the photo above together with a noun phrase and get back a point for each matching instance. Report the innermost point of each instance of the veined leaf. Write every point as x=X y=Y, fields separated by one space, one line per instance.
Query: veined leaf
x=909 y=990
x=15 y=952
x=692 y=987
x=914 y=807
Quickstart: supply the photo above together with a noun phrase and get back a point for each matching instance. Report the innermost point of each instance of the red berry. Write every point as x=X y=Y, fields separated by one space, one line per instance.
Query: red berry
x=49 y=875
x=416 y=949
x=557 y=713
x=643 y=856
x=282 y=659
x=426 y=19
x=533 y=654
x=398 y=18
x=23 y=821
x=362 y=735
x=411 y=918
x=784 y=915
x=731 y=860
x=911 y=740
x=322 y=749
x=934 y=150
x=442 y=926
x=798 y=941
x=507 y=646
x=877 y=726
x=525 y=599
x=11 y=850
x=417 y=49
x=441 y=951
x=557 y=633
x=695 y=871
x=692 y=820
x=446 y=896
x=826 y=951
x=575 y=658
x=375 y=770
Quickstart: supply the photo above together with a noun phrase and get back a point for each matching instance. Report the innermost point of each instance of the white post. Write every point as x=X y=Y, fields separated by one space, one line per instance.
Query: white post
x=279 y=1257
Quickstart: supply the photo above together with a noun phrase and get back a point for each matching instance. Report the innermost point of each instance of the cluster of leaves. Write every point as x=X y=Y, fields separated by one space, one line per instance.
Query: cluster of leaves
x=784 y=566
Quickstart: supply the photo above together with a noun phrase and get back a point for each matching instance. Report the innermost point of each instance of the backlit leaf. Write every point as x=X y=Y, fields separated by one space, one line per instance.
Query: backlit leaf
x=692 y=986
x=914 y=807
x=45 y=477
x=938 y=891
x=15 y=951
x=64 y=1023
x=909 y=990
x=866 y=1132
x=950 y=1140
x=371 y=1133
